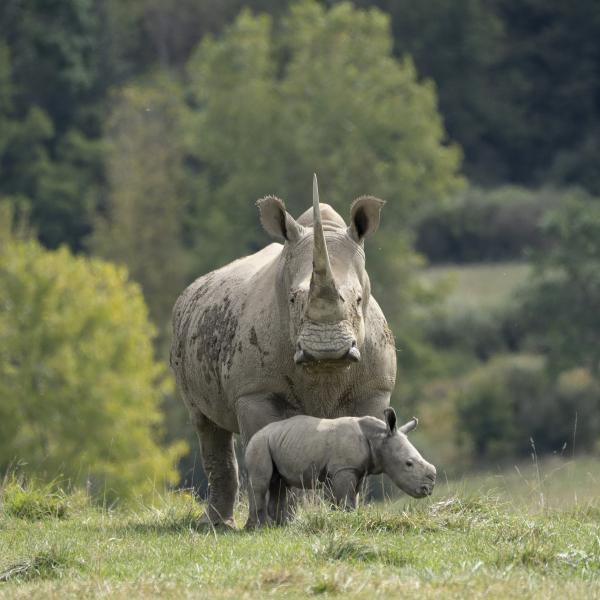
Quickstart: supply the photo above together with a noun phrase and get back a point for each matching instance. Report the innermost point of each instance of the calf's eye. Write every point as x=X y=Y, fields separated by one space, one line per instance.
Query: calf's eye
x=409 y=463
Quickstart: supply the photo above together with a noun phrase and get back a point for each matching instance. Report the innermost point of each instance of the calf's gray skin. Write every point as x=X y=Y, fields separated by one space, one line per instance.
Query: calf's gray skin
x=292 y=329
x=341 y=452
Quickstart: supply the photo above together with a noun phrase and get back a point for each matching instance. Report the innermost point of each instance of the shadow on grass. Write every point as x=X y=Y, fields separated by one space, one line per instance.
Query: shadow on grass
x=174 y=522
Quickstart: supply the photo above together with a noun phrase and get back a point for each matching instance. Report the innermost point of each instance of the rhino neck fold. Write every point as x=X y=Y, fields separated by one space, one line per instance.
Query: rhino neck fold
x=324 y=303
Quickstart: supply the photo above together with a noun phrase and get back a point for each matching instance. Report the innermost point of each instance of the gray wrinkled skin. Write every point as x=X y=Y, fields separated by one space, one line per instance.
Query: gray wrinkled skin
x=302 y=450
x=268 y=337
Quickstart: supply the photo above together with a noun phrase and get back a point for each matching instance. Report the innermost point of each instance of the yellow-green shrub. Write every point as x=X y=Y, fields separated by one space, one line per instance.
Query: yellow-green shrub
x=79 y=387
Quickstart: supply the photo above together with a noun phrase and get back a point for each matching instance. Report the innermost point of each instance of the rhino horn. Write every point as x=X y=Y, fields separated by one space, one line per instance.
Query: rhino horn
x=323 y=298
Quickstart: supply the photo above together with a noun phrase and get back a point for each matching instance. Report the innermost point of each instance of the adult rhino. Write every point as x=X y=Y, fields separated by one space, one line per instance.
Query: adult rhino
x=292 y=329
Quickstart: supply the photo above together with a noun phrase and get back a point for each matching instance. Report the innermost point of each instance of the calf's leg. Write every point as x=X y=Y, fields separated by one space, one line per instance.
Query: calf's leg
x=260 y=476
x=344 y=488
x=281 y=504
x=254 y=412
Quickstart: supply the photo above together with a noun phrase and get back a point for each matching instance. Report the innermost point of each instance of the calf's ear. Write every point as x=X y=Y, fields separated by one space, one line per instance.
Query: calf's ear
x=390 y=420
x=276 y=221
x=364 y=217
x=410 y=425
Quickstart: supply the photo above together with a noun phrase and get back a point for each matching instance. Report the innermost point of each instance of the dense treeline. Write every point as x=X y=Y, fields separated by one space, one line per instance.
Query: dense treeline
x=518 y=87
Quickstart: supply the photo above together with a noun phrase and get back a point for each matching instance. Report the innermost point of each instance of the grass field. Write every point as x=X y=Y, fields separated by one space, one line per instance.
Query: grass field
x=480 y=285
x=489 y=536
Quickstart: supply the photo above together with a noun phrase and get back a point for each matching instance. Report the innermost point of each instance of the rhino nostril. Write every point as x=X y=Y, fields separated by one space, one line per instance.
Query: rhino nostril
x=353 y=343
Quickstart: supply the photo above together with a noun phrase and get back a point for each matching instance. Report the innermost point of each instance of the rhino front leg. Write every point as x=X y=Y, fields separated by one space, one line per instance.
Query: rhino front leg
x=220 y=466
x=371 y=404
x=257 y=410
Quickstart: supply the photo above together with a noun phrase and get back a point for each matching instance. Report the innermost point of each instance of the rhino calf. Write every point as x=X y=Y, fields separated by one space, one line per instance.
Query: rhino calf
x=302 y=450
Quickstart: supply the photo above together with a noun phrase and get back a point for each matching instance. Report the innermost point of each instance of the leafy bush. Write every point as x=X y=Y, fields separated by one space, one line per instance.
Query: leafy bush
x=574 y=415
x=79 y=388
x=506 y=404
x=483 y=225
x=477 y=332
x=489 y=403
x=561 y=303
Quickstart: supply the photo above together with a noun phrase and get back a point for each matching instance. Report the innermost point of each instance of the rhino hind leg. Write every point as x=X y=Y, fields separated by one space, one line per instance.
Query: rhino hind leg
x=220 y=465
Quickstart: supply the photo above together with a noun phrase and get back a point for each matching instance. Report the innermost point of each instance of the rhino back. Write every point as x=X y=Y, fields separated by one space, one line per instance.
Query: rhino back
x=305 y=448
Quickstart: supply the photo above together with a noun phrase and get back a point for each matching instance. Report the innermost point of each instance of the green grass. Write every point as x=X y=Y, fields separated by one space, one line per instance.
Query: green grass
x=472 y=539
x=486 y=285
x=33 y=500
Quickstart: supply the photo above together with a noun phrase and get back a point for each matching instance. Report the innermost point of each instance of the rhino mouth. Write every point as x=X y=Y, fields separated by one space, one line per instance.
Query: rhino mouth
x=326 y=345
x=335 y=359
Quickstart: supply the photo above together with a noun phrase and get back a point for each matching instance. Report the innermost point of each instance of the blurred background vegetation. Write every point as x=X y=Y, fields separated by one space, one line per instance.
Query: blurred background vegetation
x=135 y=137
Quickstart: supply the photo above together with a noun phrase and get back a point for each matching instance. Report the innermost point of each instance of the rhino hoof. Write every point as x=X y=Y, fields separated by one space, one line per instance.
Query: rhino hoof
x=204 y=522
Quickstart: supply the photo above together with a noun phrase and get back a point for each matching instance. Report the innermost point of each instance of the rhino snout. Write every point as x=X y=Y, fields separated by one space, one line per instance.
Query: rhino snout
x=326 y=342
x=427 y=486
x=344 y=354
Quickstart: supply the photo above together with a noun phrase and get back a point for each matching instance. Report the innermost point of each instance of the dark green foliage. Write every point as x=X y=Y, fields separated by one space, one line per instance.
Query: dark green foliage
x=50 y=152
x=457 y=44
x=516 y=85
x=481 y=226
x=477 y=332
x=561 y=306
x=491 y=402
x=518 y=82
x=548 y=74
x=511 y=407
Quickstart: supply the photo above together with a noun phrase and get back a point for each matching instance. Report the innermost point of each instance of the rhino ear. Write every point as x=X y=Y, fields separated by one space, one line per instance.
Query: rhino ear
x=364 y=217
x=390 y=420
x=410 y=426
x=276 y=221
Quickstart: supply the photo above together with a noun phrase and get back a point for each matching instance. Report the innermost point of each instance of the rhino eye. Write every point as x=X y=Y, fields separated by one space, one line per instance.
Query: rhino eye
x=358 y=300
x=409 y=463
x=292 y=300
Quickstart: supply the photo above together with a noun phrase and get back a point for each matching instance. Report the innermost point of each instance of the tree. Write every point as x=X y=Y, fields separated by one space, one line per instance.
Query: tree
x=142 y=221
x=321 y=94
x=232 y=137
x=79 y=387
x=561 y=305
x=51 y=153
x=456 y=44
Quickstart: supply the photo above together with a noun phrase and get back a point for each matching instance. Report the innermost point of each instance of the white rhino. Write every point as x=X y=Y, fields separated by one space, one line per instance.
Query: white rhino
x=292 y=329
x=302 y=450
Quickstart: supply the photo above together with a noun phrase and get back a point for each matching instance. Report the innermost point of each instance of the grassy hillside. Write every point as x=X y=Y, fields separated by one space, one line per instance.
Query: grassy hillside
x=485 y=285
x=461 y=543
